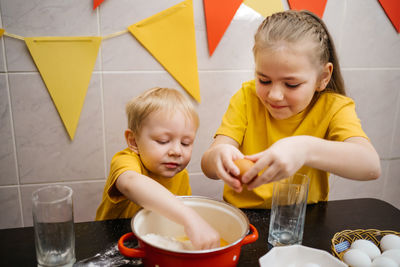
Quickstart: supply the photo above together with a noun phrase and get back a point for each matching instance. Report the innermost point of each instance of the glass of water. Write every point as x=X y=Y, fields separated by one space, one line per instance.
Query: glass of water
x=288 y=210
x=53 y=223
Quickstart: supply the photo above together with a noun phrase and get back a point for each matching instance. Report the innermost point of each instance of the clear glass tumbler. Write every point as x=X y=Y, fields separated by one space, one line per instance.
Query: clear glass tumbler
x=288 y=210
x=53 y=223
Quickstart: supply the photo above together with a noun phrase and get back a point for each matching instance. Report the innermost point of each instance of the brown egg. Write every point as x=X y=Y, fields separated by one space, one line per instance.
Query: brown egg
x=244 y=165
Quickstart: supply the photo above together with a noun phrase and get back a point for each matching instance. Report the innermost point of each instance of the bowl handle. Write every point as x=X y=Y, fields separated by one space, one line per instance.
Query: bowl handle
x=252 y=237
x=130 y=252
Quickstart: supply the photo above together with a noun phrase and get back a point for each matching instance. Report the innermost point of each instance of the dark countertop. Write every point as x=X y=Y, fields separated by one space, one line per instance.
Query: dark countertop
x=323 y=220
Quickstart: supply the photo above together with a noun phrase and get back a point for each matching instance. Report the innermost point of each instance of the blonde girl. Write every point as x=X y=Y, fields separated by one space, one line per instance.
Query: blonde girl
x=294 y=117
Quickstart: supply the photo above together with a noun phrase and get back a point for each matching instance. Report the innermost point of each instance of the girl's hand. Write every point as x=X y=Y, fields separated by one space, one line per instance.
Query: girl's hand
x=223 y=156
x=200 y=233
x=281 y=160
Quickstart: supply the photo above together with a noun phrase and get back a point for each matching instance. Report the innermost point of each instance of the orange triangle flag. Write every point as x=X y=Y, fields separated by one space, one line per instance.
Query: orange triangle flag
x=96 y=3
x=170 y=37
x=1 y=32
x=392 y=10
x=219 y=14
x=66 y=65
x=315 y=6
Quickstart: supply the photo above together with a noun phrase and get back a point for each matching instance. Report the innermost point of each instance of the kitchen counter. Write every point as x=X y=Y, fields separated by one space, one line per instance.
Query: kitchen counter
x=95 y=242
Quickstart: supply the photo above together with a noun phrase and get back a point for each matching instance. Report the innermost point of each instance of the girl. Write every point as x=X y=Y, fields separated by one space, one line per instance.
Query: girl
x=294 y=117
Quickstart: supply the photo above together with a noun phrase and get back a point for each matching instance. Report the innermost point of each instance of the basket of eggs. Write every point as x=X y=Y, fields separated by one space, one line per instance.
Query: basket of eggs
x=370 y=247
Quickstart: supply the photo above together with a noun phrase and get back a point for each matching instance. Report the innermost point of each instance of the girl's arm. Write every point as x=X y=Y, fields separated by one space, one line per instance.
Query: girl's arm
x=217 y=161
x=151 y=195
x=354 y=158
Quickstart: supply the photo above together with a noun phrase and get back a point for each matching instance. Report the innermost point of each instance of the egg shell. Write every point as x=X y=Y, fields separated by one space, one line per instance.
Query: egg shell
x=390 y=241
x=382 y=261
x=356 y=258
x=244 y=165
x=394 y=254
x=367 y=246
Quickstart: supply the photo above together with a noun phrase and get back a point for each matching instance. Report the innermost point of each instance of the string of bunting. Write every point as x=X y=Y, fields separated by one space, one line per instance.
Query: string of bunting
x=67 y=83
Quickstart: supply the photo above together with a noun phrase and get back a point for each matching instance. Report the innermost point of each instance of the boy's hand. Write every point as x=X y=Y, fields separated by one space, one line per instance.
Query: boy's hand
x=200 y=233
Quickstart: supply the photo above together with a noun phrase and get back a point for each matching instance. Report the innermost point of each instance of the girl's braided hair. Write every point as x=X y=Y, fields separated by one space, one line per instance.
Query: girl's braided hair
x=293 y=26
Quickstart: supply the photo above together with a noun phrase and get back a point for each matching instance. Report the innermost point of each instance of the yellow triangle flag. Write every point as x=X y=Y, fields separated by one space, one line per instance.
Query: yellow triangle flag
x=265 y=8
x=170 y=37
x=66 y=65
x=1 y=32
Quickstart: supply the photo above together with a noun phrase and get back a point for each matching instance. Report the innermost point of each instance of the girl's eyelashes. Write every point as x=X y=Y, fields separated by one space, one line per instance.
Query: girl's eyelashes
x=292 y=85
x=264 y=81
x=162 y=142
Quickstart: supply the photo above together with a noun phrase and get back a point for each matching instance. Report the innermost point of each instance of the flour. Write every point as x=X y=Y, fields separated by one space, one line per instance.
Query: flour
x=169 y=243
x=109 y=257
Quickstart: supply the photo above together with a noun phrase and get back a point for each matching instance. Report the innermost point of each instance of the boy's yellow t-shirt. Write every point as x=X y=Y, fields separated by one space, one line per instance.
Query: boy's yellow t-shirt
x=115 y=205
x=332 y=117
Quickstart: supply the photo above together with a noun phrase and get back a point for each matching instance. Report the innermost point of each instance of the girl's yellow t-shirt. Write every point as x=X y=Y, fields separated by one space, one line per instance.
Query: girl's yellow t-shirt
x=332 y=117
x=115 y=205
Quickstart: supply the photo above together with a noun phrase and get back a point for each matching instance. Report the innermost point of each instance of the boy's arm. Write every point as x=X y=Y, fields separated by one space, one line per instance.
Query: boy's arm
x=151 y=195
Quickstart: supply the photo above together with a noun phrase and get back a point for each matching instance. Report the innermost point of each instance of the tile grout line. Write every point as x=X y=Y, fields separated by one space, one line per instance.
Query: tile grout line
x=12 y=127
x=204 y=71
x=391 y=156
x=102 y=95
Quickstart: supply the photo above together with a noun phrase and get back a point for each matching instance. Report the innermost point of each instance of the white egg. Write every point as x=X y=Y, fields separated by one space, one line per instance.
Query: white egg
x=382 y=261
x=356 y=258
x=394 y=254
x=367 y=246
x=390 y=242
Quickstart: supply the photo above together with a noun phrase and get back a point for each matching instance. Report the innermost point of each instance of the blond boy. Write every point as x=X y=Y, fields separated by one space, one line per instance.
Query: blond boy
x=162 y=126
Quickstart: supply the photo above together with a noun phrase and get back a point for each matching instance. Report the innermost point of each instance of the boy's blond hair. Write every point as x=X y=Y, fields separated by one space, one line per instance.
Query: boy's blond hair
x=156 y=99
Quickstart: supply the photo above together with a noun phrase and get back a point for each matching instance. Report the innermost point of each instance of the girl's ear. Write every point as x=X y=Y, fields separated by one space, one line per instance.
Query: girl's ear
x=325 y=77
x=130 y=138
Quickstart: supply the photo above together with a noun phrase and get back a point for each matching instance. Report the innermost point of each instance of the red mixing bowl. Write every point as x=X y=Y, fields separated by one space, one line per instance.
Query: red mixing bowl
x=231 y=223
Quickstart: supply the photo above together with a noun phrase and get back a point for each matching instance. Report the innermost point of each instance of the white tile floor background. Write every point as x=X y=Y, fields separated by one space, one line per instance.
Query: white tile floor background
x=35 y=149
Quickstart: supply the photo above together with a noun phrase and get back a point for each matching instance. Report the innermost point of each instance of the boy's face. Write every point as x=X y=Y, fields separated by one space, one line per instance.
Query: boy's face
x=286 y=79
x=165 y=142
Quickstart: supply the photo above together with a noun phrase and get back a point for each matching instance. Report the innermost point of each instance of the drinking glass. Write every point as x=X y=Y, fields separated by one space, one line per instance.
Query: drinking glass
x=53 y=223
x=288 y=210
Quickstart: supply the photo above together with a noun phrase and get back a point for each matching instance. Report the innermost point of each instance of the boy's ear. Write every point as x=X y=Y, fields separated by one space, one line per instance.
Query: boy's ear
x=130 y=138
x=325 y=77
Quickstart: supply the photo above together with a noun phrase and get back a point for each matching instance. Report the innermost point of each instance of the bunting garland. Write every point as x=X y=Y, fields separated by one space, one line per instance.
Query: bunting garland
x=392 y=10
x=315 y=6
x=169 y=36
x=218 y=15
x=265 y=8
x=66 y=63
x=96 y=3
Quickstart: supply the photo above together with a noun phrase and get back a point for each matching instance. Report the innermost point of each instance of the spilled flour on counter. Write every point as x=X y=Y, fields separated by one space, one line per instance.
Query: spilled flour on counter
x=109 y=257
x=169 y=243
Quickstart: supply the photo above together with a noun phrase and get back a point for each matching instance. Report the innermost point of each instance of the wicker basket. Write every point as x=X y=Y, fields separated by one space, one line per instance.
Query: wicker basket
x=350 y=236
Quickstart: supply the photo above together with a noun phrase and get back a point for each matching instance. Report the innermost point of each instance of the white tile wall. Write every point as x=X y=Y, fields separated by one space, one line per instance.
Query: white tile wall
x=35 y=149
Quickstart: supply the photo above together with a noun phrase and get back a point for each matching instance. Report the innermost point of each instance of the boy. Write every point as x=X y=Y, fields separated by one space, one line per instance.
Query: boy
x=162 y=125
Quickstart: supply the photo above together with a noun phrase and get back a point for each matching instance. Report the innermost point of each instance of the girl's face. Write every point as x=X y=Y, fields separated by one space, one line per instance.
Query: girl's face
x=165 y=142
x=286 y=78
